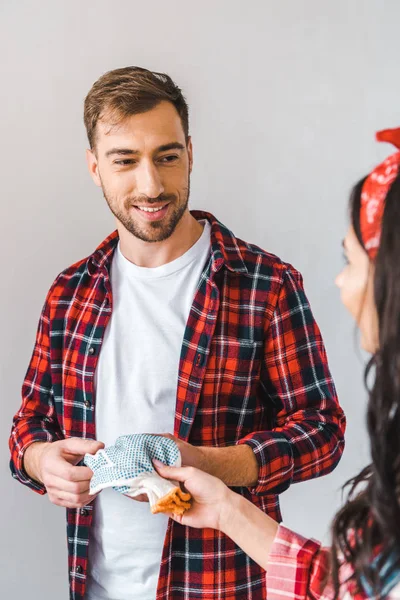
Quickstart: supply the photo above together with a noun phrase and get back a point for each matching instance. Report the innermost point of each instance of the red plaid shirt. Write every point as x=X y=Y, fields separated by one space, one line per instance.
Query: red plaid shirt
x=253 y=370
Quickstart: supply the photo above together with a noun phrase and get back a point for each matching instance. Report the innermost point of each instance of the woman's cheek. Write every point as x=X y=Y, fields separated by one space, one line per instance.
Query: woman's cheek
x=352 y=295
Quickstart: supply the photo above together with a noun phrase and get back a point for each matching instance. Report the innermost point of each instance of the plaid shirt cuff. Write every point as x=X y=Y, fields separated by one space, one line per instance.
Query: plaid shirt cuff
x=17 y=460
x=289 y=545
x=274 y=456
x=297 y=567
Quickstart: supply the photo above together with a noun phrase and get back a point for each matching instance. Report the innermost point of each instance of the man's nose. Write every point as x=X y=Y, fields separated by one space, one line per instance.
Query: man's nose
x=148 y=180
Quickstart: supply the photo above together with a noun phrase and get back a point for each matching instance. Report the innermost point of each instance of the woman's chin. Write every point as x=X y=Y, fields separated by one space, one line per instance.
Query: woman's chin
x=368 y=345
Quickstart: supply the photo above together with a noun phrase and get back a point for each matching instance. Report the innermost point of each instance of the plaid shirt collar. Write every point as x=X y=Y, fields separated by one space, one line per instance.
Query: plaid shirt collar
x=224 y=249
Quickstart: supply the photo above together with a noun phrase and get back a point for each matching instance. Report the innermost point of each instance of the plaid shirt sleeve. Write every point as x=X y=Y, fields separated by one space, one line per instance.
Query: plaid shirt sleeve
x=35 y=421
x=298 y=568
x=307 y=435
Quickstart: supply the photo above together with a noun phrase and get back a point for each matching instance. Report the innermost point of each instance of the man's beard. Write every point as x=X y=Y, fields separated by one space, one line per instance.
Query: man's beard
x=154 y=231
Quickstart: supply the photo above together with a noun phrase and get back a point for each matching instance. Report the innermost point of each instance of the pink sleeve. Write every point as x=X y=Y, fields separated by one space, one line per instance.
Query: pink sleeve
x=297 y=568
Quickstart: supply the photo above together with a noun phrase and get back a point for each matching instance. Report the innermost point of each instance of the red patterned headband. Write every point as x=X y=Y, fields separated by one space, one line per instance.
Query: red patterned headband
x=374 y=192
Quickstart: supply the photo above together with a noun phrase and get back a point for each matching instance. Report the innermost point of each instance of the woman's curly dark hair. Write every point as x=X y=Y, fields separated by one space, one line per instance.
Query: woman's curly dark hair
x=368 y=526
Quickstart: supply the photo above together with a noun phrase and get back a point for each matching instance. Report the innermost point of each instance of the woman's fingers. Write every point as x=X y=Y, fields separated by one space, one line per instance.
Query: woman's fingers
x=177 y=518
x=139 y=498
x=181 y=474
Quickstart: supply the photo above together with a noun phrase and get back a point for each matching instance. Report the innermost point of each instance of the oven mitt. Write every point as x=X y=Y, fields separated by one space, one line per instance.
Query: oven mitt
x=127 y=467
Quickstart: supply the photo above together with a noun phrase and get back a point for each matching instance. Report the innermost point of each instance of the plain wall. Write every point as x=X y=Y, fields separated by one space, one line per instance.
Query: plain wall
x=285 y=98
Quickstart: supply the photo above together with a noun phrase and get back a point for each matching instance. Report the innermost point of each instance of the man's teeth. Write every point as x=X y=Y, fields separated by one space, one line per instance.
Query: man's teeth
x=150 y=209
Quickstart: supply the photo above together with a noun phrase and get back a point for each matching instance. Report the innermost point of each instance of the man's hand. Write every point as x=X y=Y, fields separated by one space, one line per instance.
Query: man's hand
x=236 y=466
x=54 y=465
x=192 y=456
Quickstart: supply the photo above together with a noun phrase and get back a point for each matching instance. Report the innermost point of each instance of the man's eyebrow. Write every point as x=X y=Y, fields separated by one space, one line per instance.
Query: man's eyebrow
x=129 y=151
x=171 y=146
x=121 y=151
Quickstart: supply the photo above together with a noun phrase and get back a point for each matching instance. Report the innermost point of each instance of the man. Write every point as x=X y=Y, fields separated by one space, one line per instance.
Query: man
x=171 y=325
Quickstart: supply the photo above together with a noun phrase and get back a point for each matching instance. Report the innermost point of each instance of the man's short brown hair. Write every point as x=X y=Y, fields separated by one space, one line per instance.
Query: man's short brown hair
x=130 y=91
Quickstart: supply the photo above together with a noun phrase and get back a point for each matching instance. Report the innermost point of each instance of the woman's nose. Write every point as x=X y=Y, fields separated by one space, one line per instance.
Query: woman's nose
x=339 y=280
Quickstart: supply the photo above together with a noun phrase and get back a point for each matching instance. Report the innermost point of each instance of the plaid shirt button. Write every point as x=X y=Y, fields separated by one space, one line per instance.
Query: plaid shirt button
x=84 y=512
x=87 y=403
x=79 y=570
x=92 y=350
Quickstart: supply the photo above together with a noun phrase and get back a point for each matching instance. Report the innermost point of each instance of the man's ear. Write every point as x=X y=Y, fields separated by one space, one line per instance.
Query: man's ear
x=190 y=153
x=92 y=164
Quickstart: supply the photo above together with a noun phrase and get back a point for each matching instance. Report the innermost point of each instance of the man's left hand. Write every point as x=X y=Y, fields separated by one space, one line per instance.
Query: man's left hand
x=236 y=466
x=192 y=456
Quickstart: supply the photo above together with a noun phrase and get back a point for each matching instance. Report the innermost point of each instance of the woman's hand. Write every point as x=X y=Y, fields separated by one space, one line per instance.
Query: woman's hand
x=215 y=505
x=211 y=499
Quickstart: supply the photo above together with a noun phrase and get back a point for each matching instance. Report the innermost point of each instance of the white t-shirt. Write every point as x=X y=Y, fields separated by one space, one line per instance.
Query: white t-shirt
x=136 y=383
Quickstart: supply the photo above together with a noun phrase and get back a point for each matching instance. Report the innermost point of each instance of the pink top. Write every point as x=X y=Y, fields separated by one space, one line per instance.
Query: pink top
x=298 y=567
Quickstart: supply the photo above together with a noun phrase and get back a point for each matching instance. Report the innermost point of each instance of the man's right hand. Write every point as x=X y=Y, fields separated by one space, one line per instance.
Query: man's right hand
x=54 y=465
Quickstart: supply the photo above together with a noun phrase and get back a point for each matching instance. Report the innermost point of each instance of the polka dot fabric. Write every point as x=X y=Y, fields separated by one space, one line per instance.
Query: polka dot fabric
x=129 y=460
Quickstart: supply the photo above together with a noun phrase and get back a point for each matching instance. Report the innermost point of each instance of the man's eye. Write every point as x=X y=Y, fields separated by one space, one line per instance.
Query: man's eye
x=123 y=163
x=169 y=158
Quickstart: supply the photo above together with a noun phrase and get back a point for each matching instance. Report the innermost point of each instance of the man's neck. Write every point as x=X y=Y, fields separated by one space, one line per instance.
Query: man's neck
x=155 y=254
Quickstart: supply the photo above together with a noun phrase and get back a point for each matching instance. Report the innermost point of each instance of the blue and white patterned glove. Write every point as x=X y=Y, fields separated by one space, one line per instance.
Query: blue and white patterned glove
x=127 y=467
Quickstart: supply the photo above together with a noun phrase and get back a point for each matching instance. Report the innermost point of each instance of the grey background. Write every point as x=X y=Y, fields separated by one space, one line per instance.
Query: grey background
x=285 y=98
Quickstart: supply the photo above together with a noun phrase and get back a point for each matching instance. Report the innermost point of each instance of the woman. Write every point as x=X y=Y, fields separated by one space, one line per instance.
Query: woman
x=364 y=561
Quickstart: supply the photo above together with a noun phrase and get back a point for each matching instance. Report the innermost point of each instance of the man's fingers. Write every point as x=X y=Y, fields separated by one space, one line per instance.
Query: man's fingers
x=65 y=504
x=80 y=446
x=72 y=487
x=69 y=500
x=68 y=472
